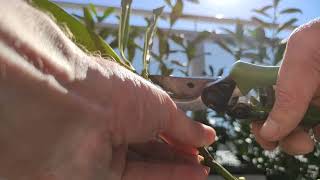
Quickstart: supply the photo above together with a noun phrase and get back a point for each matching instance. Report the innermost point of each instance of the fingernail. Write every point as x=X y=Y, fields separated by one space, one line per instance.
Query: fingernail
x=207 y=170
x=269 y=130
x=210 y=134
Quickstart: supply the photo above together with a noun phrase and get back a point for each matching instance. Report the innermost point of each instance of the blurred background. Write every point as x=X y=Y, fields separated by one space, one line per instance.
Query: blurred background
x=204 y=38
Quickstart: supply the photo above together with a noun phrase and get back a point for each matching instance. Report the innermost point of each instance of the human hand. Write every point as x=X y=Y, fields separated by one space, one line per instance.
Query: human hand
x=298 y=86
x=66 y=115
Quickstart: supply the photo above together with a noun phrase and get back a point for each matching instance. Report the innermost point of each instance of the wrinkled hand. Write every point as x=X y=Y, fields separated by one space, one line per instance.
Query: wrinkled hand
x=298 y=86
x=66 y=115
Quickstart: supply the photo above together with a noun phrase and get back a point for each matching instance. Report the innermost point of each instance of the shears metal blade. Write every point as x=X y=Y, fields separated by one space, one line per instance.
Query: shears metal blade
x=185 y=91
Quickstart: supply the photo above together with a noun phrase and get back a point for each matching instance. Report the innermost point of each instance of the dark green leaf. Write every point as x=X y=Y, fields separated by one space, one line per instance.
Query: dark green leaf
x=211 y=70
x=276 y=3
x=280 y=52
x=287 y=24
x=106 y=14
x=258 y=20
x=239 y=32
x=176 y=12
x=291 y=10
x=228 y=31
x=165 y=71
x=164 y=47
x=263 y=10
x=178 y=63
x=88 y=19
x=131 y=50
x=183 y=72
x=220 y=72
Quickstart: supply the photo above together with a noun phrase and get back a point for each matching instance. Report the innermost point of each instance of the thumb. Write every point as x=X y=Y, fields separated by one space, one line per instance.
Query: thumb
x=298 y=80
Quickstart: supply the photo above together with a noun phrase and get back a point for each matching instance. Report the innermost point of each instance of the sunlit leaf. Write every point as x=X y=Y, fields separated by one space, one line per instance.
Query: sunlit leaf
x=290 y=11
x=80 y=34
x=287 y=24
x=151 y=29
x=176 y=12
x=93 y=9
x=88 y=19
x=124 y=27
x=106 y=13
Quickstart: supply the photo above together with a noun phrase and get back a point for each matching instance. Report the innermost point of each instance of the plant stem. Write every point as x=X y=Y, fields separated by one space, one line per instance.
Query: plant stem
x=213 y=164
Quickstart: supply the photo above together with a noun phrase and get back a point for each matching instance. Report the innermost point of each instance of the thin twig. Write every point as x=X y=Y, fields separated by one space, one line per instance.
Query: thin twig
x=213 y=164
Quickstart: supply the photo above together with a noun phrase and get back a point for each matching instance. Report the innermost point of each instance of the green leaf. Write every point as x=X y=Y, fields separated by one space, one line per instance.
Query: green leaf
x=211 y=69
x=124 y=27
x=88 y=19
x=93 y=9
x=280 y=52
x=259 y=34
x=176 y=12
x=258 y=20
x=178 y=63
x=178 y=39
x=164 y=47
x=252 y=56
x=151 y=29
x=290 y=11
x=106 y=14
x=239 y=32
x=287 y=24
x=169 y=2
x=228 y=31
x=82 y=36
x=263 y=10
x=222 y=44
x=200 y=37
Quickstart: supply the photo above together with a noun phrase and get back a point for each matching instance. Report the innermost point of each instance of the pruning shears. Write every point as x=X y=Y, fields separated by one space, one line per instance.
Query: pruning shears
x=247 y=92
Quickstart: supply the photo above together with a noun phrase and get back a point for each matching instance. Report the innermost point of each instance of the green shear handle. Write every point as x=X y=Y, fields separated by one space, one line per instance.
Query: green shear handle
x=250 y=76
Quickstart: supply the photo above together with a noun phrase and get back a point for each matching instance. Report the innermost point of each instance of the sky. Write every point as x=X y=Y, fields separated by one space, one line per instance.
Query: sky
x=226 y=8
